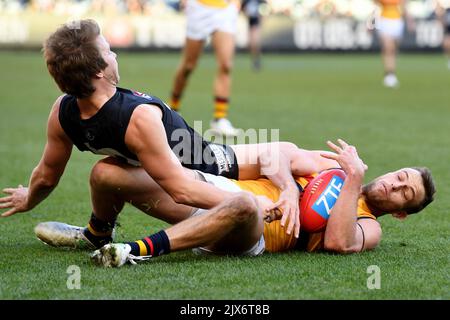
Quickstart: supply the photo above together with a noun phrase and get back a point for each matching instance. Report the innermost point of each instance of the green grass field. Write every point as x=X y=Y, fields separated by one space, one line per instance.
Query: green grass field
x=310 y=98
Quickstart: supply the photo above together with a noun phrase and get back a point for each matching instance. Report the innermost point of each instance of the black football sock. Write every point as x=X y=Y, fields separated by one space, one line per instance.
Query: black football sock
x=99 y=232
x=154 y=245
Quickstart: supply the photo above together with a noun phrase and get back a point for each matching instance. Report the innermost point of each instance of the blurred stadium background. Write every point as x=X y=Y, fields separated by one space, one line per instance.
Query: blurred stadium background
x=289 y=25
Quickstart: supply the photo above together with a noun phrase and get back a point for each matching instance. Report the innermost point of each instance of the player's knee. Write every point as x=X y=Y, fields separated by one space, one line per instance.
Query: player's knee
x=225 y=67
x=245 y=207
x=188 y=67
x=102 y=172
x=390 y=48
x=390 y=51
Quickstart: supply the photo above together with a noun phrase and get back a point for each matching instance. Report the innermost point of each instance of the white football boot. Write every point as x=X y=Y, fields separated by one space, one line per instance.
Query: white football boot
x=115 y=255
x=391 y=81
x=223 y=127
x=58 y=234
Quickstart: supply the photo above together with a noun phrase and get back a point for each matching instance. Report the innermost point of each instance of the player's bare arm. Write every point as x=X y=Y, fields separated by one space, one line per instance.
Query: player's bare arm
x=161 y=163
x=252 y=158
x=47 y=173
x=343 y=234
x=305 y=162
x=279 y=161
x=275 y=165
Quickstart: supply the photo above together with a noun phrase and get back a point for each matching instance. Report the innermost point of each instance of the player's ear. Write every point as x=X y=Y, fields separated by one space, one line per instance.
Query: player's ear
x=400 y=215
x=99 y=75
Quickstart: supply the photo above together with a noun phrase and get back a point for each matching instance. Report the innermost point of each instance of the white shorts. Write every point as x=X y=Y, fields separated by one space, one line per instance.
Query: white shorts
x=204 y=20
x=227 y=185
x=390 y=27
x=220 y=182
x=256 y=250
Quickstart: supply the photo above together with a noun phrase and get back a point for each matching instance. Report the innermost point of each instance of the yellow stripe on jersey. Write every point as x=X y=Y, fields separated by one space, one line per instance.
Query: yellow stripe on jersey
x=276 y=238
x=275 y=235
x=391 y=9
x=390 y=2
x=315 y=242
x=260 y=187
x=363 y=210
x=215 y=3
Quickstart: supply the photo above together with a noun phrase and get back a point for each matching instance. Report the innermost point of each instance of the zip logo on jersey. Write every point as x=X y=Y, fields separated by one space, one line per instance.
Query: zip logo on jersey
x=327 y=199
x=140 y=94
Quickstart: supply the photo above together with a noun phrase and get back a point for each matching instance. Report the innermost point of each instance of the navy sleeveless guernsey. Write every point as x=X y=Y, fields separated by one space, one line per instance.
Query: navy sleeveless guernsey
x=104 y=133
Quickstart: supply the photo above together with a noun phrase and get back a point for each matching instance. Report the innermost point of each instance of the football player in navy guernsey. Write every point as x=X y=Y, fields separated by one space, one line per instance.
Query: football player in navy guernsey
x=139 y=133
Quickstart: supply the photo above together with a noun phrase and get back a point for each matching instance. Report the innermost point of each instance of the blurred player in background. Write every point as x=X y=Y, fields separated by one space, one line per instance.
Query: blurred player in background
x=218 y=19
x=251 y=9
x=390 y=29
x=443 y=13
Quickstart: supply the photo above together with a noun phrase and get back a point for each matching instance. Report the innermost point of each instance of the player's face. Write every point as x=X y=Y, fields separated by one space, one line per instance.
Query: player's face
x=395 y=191
x=111 y=72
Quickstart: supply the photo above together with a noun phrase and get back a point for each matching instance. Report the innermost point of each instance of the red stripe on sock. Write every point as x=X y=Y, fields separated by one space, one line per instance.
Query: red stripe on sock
x=150 y=244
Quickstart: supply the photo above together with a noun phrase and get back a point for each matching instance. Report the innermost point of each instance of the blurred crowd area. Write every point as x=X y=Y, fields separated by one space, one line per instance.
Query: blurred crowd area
x=358 y=9
x=85 y=7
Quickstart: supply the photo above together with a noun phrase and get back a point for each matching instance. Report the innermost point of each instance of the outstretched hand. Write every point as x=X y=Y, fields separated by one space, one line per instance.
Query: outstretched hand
x=16 y=200
x=347 y=157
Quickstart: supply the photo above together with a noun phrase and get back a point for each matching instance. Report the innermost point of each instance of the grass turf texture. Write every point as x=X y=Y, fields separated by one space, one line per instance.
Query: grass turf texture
x=311 y=98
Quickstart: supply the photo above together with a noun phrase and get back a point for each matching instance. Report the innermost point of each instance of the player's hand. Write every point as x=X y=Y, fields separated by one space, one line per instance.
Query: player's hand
x=288 y=204
x=16 y=200
x=347 y=157
x=266 y=204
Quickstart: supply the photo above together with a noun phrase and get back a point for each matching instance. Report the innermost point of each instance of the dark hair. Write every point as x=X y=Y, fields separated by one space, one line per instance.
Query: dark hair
x=429 y=187
x=73 y=57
